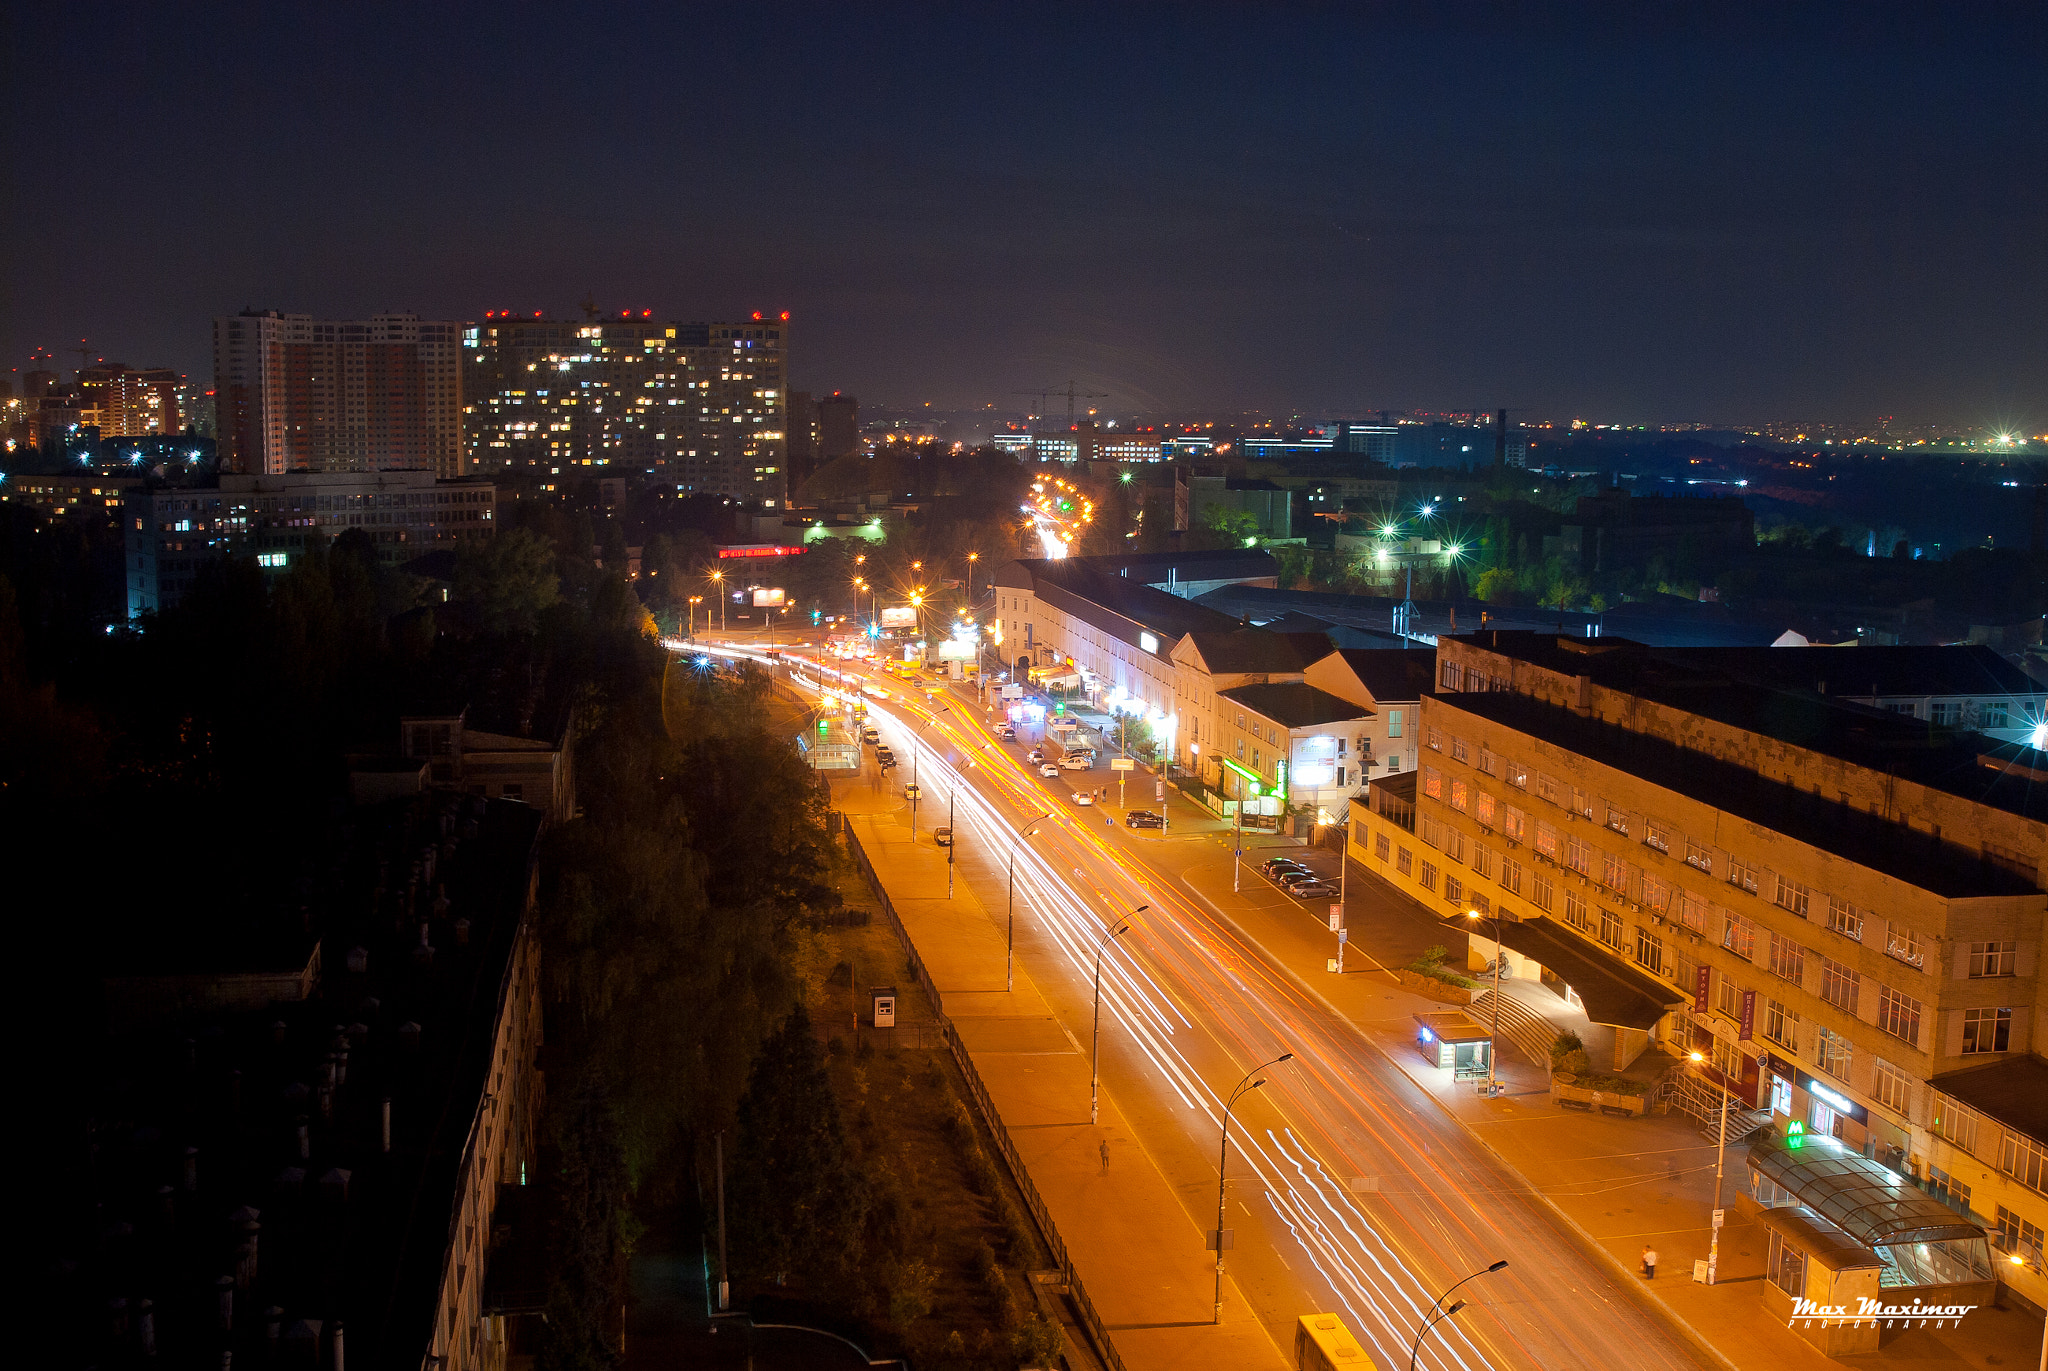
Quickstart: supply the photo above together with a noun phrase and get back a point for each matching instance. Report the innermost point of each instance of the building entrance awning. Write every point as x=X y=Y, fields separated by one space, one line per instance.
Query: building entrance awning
x=1874 y=1205
x=1613 y=992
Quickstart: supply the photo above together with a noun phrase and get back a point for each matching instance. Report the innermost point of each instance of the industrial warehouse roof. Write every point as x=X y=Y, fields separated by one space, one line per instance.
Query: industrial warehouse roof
x=1613 y=991
x=1099 y=596
x=1294 y=704
x=1873 y=1204
x=1391 y=673
x=2013 y=1091
x=1963 y=669
x=1256 y=651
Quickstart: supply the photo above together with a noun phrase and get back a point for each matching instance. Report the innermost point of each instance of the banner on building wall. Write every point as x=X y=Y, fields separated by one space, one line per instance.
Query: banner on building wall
x=1748 y=1017
x=1702 y=980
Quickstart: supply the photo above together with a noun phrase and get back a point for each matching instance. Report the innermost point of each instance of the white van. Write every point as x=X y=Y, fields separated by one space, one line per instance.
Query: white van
x=1078 y=761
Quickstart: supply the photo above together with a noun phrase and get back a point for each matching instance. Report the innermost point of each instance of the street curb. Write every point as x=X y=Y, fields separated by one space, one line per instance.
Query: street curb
x=1671 y=1316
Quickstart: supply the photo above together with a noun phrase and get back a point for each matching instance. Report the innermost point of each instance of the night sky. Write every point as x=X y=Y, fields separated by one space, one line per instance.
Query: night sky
x=1307 y=209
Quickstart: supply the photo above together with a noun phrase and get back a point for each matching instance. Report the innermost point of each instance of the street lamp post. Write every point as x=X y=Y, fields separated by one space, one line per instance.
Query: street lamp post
x=1720 y=1155
x=1010 y=942
x=1431 y=1319
x=1244 y=1086
x=917 y=794
x=719 y=578
x=1108 y=934
x=1493 y=1037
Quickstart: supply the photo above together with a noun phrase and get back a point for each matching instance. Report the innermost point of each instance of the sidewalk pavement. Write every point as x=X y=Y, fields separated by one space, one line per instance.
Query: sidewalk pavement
x=1142 y=1268
x=1622 y=1183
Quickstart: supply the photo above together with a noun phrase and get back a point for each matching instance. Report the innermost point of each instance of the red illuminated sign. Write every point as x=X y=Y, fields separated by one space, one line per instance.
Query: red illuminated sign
x=761 y=550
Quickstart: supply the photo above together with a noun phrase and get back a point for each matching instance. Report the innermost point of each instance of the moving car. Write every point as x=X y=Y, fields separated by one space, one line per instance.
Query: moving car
x=1007 y=734
x=1083 y=797
x=1144 y=818
x=869 y=735
x=943 y=837
x=1048 y=770
x=1035 y=756
x=1077 y=761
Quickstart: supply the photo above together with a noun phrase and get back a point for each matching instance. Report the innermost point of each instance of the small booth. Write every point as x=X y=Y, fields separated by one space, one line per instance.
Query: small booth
x=1453 y=1041
x=1813 y=1261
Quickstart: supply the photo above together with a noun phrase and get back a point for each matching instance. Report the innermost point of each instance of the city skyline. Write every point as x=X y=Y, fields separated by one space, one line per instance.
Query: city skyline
x=1832 y=213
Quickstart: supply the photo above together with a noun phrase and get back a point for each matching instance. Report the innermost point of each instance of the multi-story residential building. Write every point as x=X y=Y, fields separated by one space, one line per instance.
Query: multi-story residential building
x=1287 y=745
x=295 y=393
x=173 y=531
x=62 y=494
x=1841 y=909
x=700 y=406
x=1207 y=664
x=838 y=425
x=125 y=403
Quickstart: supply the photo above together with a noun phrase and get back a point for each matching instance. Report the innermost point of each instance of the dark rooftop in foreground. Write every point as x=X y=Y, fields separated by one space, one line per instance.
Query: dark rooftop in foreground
x=2013 y=1091
x=1294 y=704
x=1915 y=858
x=1960 y=762
x=1245 y=651
x=1115 y=604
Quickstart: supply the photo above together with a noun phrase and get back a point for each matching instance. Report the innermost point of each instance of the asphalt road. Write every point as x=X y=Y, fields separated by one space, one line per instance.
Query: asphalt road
x=1351 y=1190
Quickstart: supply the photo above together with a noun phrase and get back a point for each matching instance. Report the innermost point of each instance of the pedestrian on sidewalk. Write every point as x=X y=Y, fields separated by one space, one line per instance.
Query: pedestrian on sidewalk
x=1649 y=1263
x=1105 y=1156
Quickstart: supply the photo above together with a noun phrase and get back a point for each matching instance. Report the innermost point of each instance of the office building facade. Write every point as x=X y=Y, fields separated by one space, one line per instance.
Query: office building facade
x=174 y=531
x=703 y=407
x=295 y=393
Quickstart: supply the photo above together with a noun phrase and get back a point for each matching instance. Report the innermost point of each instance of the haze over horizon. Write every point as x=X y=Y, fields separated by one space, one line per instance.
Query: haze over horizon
x=1835 y=214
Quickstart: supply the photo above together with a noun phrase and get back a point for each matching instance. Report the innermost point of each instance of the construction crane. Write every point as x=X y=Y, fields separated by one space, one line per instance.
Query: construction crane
x=1072 y=392
x=84 y=354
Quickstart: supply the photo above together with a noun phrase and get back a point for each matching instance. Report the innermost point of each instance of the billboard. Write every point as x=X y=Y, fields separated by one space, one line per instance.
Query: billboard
x=899 y=616
x=956 y=650
x=767 y=598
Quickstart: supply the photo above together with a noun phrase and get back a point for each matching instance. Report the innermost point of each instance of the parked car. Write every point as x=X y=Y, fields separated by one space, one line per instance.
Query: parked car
x=943 y=837
x=1290 y=879
x=1311 y=890
x=1077 y=761
x=1049 y=771
x=1279 y=864
x=1084 y=797
x=888 y=763
x=1144 y=818
x=869 y=735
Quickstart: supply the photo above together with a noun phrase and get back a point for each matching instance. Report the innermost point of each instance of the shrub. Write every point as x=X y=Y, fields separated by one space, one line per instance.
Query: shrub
x=1567 y=1043
x=1038 y=1343
x=1575 y=1062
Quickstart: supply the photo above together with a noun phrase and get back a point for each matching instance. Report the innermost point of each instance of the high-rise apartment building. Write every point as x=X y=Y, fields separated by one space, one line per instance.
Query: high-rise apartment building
x=838 y=426
x=126 y=403
x=701 y=406
x=295 y=393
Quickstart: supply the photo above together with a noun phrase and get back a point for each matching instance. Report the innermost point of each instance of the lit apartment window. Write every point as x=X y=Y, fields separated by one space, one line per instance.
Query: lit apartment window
x=1894 y=1088
x=1844 y=918
x=1794 y=896
x=1986 y=1030
x=1610 y=928
x=1692 y=912
x=1617 y=820
x=1738 y=935
x=1993 y=959
x=1436 y=741
x=1515 y=824
x=1578 y=856
x=1903 y=943
x=1613 y=872
x=1656 y=894
x=1546 y=840
x=1657 y=835
x=1781 y=1024
x=1840 y=985
x=2023 y=1159
x=2017 y=1237
x=1833 y=1052
x=1788 y=959
x=1898 y=1014
x=1461 y=794
x=1742 y=874
x=1483 y=808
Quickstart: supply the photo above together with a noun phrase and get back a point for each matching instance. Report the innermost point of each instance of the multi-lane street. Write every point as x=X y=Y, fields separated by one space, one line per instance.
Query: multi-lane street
x=1352 y=1191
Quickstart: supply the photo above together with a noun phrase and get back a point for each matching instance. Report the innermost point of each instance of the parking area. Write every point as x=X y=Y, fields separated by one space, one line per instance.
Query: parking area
x=1294 y=870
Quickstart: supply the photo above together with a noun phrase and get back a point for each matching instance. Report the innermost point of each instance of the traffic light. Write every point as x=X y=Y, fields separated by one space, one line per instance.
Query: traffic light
x=814 y=616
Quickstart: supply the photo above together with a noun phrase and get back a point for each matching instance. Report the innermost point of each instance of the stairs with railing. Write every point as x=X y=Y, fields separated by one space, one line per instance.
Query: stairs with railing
x=1530 y=1032
x=1700 y=1099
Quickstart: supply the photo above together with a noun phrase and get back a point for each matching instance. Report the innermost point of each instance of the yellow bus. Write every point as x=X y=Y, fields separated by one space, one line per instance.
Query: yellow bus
x=1323 y=1343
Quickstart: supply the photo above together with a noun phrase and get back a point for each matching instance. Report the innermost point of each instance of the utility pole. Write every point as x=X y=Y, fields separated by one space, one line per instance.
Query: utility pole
x=1720 y=1156
x=1108 y=934
x=724 y=1277
x=1223 y=1162
x=1010 y=942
